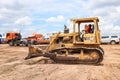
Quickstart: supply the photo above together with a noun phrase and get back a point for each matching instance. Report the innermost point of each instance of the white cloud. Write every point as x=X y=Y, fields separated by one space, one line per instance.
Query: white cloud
x=118 y=9
x=104 y=3
x=108 y=13
x=7 y=2
x=24 y=21
x=16 y=30
x=38 y=12
x=56 y=19
x=6 y=11
x=110 y=29
x=6 y=24
x=2 y=17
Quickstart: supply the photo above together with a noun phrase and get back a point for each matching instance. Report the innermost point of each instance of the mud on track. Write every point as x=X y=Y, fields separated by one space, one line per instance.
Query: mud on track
x=14 y=67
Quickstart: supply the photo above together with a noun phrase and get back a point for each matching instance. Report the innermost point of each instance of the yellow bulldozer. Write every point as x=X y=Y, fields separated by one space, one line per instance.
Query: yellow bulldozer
x=80 y=46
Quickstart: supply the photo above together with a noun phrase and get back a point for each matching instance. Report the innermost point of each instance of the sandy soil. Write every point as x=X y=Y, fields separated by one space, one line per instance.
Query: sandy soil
x=14 y=67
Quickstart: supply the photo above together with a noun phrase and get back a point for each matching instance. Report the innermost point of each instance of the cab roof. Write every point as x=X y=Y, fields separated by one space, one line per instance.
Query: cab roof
x=77 y=20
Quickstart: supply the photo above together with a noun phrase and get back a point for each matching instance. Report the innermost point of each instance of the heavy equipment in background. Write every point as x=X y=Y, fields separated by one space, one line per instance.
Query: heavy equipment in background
x=13 y=38
x=36 y=39
x=80 y=46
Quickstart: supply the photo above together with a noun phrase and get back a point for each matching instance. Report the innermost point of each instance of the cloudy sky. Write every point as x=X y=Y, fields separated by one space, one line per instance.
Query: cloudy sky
x=43 y=16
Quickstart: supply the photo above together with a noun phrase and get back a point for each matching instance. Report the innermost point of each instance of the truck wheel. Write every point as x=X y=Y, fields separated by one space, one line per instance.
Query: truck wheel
x=11 y=43
x=24 y=44
x=35 y=42
x=18 y=44
x=112 y=42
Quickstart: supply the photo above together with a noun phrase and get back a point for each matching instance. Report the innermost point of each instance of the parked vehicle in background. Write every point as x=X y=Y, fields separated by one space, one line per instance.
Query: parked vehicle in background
x=13 y=38
x=0 y=38
x=110 y=39
x=3 y=40
x=37 y=39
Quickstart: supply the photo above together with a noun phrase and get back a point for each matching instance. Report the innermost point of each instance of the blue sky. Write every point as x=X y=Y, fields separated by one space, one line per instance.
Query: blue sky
x=46 y=16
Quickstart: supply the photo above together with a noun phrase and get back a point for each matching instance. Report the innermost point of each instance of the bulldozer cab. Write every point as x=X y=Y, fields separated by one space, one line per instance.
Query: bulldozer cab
x=87 y=30
x=85 y=33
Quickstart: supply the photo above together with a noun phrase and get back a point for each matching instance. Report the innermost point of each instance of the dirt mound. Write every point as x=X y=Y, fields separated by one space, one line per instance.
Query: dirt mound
x=38 y=60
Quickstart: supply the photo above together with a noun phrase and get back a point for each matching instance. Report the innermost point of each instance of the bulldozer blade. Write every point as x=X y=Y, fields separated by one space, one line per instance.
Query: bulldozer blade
x=41 y=50
x=34 y=51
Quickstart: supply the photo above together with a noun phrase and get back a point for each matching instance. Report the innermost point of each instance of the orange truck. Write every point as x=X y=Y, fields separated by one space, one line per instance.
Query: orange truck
x=37 y=39
x=12 y=38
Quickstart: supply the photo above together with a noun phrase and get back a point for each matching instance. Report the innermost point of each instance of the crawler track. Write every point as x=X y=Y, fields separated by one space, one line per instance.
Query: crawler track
x=60 y=56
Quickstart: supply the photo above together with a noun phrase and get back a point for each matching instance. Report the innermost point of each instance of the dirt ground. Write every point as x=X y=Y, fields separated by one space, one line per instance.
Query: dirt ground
x=14 y=67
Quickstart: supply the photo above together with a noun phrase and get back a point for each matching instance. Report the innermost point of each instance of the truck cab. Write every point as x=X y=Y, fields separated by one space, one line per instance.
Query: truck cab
x=12 y=37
